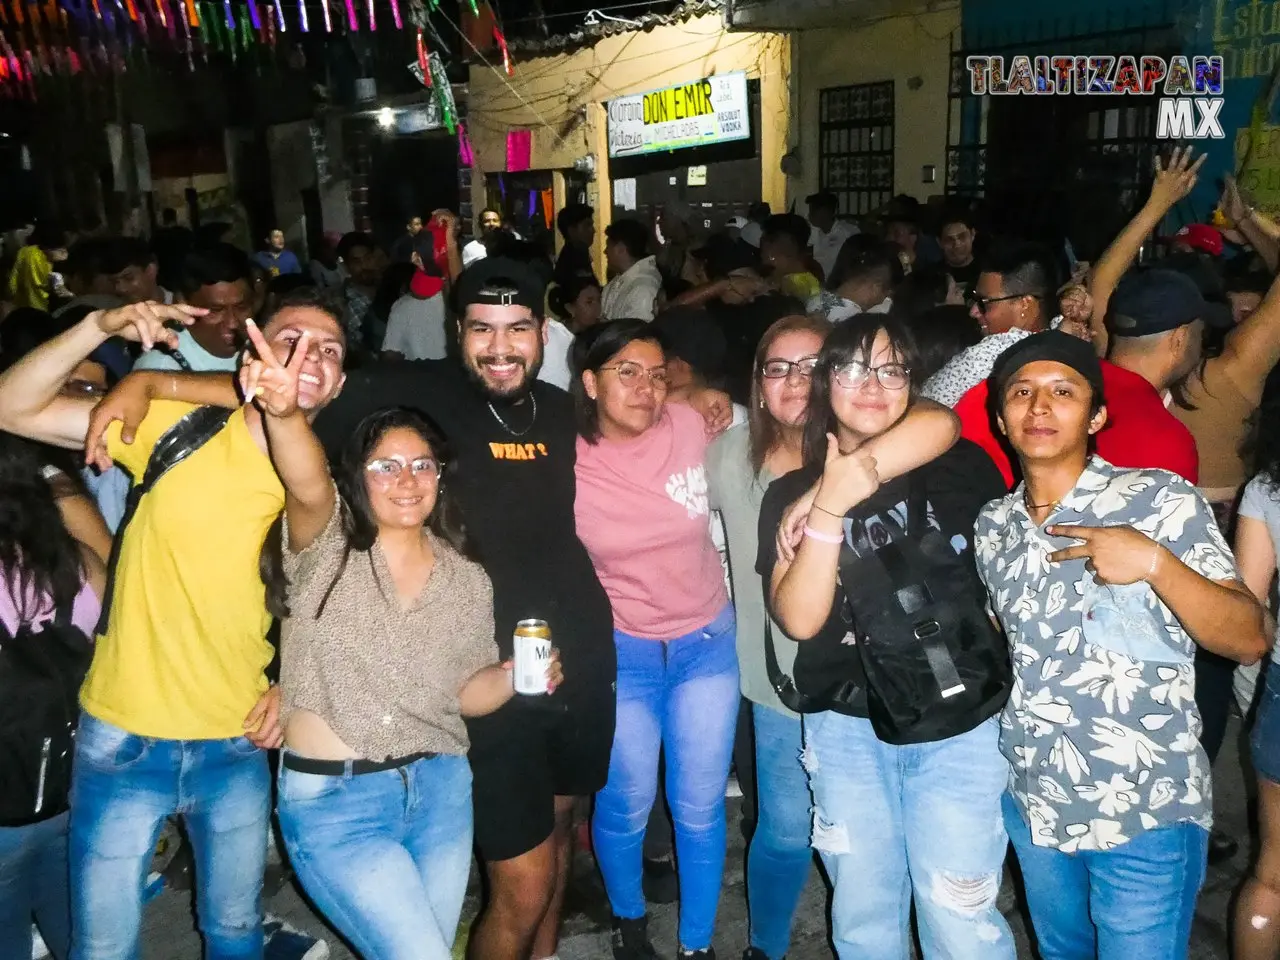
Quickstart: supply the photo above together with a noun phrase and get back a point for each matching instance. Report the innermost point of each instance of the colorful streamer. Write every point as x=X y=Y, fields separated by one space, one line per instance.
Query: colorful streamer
x=395 y=14
x=373 y=23
x=328 y=19
x=423 y=63
x=193 y=18
x=253 y=14
x=352 y=24
x=280 y=19
x=506 y=56
x=303 y=22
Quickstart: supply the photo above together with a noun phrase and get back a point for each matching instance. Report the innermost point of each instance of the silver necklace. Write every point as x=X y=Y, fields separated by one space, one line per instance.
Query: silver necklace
x=505 y=426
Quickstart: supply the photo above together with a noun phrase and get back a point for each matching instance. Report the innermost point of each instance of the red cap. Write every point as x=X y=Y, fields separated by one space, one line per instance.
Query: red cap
x=1200 y=236
x=424 y=286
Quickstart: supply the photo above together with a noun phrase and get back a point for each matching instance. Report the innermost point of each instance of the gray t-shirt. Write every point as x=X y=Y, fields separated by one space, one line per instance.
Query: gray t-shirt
x=1261 y=501
x=737 y=492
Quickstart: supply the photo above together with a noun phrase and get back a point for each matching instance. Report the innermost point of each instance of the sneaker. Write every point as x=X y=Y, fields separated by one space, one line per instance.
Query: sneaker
x=706 y=953
x=283 y=941
x=38 y=948
x=755 y=953
x=660 y=883
x=733 y=789
x=630 y=940
x=1221 y=847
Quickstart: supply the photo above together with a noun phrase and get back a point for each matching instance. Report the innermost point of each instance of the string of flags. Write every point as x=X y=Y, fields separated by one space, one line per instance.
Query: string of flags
x=42 y=39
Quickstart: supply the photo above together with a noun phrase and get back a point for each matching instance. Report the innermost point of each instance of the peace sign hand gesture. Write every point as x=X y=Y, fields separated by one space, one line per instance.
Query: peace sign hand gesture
x=273 y=385
x=1115 y=555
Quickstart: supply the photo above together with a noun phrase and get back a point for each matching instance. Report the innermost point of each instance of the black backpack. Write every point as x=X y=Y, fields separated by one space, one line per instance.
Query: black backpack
x=40 y=675
x=936 y=665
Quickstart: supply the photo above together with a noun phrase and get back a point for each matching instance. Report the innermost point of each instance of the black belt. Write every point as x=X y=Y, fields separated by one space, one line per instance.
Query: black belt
x=338 y=768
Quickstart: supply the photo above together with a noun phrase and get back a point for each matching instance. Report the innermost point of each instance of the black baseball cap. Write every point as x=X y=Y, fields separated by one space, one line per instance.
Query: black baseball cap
x=1157 y=301
x=479 y=283
x=1053 y=345
x=823 y=198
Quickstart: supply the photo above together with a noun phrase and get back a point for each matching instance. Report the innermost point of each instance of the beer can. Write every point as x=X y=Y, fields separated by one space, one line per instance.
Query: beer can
x=532 y=643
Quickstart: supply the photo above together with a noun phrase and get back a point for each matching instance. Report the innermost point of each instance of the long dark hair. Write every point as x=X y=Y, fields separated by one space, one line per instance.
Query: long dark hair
x=358 y=522
x=762 y=429
x=853 y=339
x=1266 y=445
x=38 y=557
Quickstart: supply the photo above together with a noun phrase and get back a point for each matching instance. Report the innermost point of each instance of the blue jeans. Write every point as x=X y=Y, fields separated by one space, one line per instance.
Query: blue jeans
x=34 y=886
x=924 y=818
x=779 y=859
x=123 y=786
x=680 y=694
x=386 y=855
x=1132 y=902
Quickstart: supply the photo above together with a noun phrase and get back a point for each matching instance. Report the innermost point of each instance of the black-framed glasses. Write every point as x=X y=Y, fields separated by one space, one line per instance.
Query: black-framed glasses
x=780 y=369
x=630 y=374
x=892 y=376
x=982 y=303
x=388 y=469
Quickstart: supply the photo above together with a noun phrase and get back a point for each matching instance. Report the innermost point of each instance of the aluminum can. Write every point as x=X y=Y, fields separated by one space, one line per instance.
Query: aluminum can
x=532 y=646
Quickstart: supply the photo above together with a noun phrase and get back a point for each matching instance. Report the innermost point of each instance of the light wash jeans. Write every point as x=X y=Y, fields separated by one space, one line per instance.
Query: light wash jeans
x=923 y=819
x=386 y=855
x=779 y=858
x=681 y=695
x=1132 y=902
x=122 y=788
x=34 y=885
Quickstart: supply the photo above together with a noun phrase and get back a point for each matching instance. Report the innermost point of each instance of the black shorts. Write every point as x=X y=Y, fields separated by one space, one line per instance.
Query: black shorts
x=527 y=754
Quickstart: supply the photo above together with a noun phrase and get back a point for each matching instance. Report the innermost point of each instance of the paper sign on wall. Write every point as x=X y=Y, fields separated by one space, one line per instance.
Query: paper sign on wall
x=624 y=193
x=697 y=177
x=711 y=110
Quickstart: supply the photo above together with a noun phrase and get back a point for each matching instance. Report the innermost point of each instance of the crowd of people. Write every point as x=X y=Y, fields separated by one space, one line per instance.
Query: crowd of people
x=942 y=545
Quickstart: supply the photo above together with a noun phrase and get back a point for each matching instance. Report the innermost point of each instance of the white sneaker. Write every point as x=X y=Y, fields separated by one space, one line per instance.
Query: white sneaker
x=38 y=948
x=283 y=941
x=732 y=789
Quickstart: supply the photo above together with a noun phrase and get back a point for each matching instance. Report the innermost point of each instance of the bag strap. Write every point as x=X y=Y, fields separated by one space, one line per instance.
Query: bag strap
x=181 y=440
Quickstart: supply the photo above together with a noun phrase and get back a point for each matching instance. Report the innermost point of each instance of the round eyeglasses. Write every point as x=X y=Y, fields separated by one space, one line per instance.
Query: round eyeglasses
x=389 y=469
x=892 y=376
x=778 y=369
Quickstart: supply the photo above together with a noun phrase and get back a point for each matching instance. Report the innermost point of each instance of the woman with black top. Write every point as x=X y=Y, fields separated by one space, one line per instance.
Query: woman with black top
x=902 y=756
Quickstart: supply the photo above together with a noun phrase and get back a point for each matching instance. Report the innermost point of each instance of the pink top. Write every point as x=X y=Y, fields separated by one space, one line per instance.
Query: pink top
x=642 y=513
x=84 y=612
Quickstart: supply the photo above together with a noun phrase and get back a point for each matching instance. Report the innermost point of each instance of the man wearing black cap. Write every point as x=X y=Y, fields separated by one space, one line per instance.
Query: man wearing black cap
x=1105 y=580
x=829 y=234
x=515 y=442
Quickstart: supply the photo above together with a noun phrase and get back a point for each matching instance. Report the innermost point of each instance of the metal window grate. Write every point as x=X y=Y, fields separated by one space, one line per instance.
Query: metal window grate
x=855 y=144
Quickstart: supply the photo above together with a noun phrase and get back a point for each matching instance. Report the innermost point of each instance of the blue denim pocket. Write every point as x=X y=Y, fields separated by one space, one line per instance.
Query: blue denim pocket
x=107 y=747
x=1123 y=620
x=298 y=787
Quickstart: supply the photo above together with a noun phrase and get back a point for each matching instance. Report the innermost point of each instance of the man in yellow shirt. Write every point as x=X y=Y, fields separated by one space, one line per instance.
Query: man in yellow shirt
x=784 y=256
x=177 y=711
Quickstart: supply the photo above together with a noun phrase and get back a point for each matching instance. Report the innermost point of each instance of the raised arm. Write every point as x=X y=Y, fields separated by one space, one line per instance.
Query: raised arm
x=927 y=432
x=1262 y=233
x=801 y=590
x=1173 y=181
x=310 y=498
x=450 y=221
x=31 y=400
x=1252 y=347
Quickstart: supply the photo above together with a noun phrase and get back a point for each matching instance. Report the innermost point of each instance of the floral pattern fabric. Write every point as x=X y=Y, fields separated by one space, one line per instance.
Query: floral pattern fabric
x=1101 y=729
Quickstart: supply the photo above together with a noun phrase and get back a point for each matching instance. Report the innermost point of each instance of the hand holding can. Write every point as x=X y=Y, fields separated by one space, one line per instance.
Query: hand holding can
x=537 y=664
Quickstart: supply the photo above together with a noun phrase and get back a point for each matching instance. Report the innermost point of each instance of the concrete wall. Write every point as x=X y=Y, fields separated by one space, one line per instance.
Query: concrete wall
x=560 y=99
x=894 y=48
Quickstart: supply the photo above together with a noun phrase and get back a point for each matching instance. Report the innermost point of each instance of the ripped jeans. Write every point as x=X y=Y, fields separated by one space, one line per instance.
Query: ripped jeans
x=893 y=821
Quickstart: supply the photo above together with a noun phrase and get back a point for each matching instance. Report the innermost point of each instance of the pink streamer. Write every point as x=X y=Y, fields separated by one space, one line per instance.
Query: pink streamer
x=465 y=156
x=373 y=22
x=395 y=14
x=352 y=24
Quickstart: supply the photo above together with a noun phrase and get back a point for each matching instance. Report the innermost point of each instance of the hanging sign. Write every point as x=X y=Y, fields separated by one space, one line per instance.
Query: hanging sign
x=711 y=110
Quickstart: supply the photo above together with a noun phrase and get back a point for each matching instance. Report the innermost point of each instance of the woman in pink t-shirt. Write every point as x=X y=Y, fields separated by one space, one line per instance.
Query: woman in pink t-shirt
x=642 y=512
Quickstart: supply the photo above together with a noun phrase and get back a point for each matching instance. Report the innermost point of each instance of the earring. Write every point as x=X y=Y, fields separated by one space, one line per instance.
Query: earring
x=762 y=403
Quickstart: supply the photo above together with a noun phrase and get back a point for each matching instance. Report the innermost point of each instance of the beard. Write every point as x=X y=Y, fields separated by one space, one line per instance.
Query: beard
x=514 y=391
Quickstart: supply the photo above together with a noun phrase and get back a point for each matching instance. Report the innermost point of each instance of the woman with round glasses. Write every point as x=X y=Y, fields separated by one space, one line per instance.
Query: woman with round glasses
x=920 y=815
x=643 y=514
x=387 y=644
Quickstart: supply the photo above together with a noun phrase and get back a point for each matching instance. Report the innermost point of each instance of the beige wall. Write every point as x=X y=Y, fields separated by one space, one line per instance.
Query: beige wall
x=563 y=96
x=895 y=48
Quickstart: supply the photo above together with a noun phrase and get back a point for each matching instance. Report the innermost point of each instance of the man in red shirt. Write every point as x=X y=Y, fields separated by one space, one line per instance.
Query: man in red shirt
x=1157 y=319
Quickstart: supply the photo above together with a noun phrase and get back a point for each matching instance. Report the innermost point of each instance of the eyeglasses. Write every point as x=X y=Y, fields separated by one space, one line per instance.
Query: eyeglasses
x=630 y=374
x=982 y=303
x=388 y=469
x=892 y=376
x=779 y=369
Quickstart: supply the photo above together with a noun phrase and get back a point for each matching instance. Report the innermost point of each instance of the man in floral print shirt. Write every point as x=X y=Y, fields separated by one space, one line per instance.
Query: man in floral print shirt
x=1104 y=579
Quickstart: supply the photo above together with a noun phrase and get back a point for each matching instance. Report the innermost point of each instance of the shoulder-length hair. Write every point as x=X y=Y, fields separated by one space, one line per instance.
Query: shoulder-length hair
x=762 y=428
x=593 y=349
x=853 y=339
x=358 y=522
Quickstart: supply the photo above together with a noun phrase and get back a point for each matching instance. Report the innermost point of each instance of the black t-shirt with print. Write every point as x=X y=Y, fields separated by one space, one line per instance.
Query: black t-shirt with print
x=958 y=484
x=516 y=494
x=965 y=277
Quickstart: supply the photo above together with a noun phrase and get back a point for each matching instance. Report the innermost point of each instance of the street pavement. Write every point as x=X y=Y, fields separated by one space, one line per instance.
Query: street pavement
x=169 y=932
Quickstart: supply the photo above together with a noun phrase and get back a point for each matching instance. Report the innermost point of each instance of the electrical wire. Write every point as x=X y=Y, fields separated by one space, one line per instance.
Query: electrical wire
x=579 y=13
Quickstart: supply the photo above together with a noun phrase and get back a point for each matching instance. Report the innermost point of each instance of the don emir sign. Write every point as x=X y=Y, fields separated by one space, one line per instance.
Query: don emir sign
x=711 y=110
